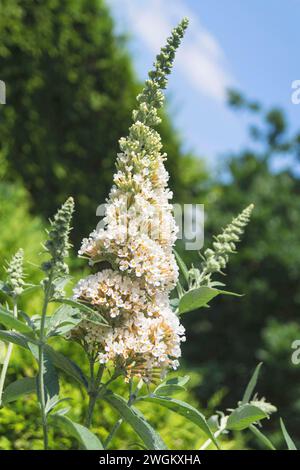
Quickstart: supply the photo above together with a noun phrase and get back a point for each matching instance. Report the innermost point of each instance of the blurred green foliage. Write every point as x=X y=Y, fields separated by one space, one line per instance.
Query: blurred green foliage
x=18 y=226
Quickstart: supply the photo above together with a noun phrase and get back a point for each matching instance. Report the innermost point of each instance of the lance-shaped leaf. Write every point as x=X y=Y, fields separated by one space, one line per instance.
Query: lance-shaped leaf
x=9 y=321
x=87 y=439
x=289 y=442
x=251 y=385
x=197 y=298
x=60 y=361
x=182 y=266
x=51 y=383
x=17 y=338
x=185 y=410
x=136 y=420
x=243 y=416
x=261 y=437
x=18 y=389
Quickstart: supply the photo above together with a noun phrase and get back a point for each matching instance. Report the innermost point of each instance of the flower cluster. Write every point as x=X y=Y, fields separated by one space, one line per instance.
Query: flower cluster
x=136 y=238
x=143 y=334
x=58 y=245
x=15 y=276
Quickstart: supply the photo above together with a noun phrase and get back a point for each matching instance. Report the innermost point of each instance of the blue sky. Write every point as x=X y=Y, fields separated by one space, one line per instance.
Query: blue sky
x=251 y=45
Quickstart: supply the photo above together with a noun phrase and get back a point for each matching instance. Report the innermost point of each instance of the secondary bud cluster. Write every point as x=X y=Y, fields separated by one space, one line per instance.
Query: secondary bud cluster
x=225 y=243
x=57 y=244
x=15 y=276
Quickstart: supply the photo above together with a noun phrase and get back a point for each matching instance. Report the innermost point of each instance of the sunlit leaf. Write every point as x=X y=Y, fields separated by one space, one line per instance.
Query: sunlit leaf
x=9 y=321
x=243 y=416
x=251 y=385
x=136 y=420
x=289 y=442
x=197 y=298
x=87 y=439
x=19 y=388
x=185 y=410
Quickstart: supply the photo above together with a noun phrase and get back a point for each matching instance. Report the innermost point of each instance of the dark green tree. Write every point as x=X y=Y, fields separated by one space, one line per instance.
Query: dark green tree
x=70 y=92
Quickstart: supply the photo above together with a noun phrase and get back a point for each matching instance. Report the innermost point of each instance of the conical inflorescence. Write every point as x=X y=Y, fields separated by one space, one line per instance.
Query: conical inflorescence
x=136 y=239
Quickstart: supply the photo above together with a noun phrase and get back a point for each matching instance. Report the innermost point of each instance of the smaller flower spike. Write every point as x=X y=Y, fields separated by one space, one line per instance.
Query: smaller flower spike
x=58 y=244
x=216 y=259
x=15 y=275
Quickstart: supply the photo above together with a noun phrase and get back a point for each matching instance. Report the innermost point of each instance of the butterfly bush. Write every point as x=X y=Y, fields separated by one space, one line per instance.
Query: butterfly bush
x=136 y=239
x=121 y=314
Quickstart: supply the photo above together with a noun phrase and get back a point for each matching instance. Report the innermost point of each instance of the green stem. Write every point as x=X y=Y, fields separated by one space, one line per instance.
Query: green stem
x=221 y=429
x=209 y=441
x=93 y=391
x=7 y=358
x=41 y=364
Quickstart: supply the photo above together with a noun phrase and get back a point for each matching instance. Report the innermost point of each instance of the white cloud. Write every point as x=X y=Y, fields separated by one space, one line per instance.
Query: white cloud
x=200 y=60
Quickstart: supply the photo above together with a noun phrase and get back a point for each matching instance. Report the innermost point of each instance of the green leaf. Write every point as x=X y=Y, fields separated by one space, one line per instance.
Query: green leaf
x=9 y=321
x=51 y=383
x=137 y=421
x=176 y=381
x=66 y=365
x=170 y=386
x=63 y=320
x=185 y=410
x=182 y=266
x=261 y=437
x=251 y=385
x=290 y=443
x=92 y=316
x=84 y=436
x=243 y=416
x=19 y=388
x=17 y=338
x=197 y=298
x=168 y=390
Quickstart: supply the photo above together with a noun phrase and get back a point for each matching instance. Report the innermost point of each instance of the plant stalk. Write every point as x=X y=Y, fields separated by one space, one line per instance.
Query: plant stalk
x=216 y=434
x=93 y=391
x=41 y=387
